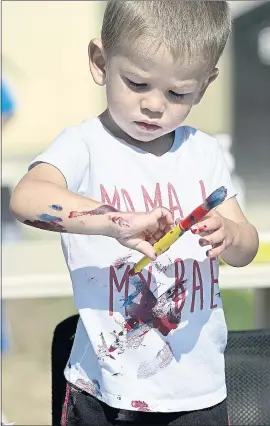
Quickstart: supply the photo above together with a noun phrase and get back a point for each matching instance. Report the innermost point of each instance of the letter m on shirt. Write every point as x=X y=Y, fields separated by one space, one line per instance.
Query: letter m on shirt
x=115 y=285
x=115 y=202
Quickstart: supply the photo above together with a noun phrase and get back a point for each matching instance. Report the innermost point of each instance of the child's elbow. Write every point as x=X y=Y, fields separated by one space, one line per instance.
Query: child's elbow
x=16 y=204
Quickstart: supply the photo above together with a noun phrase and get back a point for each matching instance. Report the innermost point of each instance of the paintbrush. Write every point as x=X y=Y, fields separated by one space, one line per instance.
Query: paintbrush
x=217 y=197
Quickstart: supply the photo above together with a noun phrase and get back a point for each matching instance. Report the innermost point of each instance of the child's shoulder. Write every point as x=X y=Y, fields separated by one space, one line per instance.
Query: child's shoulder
x=84 y=129
x=198 y=141
x=197 y=136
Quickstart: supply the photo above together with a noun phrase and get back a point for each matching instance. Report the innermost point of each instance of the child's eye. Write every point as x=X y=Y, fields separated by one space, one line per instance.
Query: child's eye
x=136 y=85
x=177 y=95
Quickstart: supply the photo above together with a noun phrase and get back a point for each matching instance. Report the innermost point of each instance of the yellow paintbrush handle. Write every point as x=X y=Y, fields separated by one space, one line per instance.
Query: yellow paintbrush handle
x=140 y=265
x=160 y=247
x=165 y=242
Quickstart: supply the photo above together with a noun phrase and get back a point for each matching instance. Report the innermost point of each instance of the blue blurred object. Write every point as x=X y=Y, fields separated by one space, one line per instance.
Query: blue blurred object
x=7 y=101
x=10 y=231
x=4 y=332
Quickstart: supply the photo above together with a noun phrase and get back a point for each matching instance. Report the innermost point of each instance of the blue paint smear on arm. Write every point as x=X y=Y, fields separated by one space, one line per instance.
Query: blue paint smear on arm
x=49 y=218
x=56 y=207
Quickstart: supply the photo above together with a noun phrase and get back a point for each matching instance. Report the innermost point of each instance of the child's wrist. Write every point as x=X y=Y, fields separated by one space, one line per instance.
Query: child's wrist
x=117 y=225
x=103 y=220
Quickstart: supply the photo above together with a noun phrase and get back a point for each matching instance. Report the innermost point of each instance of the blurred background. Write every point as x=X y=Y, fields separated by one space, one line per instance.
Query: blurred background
x=46 y=86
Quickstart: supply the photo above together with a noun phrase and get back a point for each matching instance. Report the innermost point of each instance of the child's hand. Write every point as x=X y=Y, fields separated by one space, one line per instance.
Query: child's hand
x=139 y=231
x=216 y=231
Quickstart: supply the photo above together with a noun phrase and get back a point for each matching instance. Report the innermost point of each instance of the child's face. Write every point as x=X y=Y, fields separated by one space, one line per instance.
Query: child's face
x=148 y=94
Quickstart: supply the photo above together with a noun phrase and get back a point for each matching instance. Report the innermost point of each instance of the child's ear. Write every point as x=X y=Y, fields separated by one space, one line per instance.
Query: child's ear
x=97 y=61
x=214 y=74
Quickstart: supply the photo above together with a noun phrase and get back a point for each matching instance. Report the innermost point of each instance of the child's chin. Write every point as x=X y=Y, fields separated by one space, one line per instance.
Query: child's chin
x=146 y=137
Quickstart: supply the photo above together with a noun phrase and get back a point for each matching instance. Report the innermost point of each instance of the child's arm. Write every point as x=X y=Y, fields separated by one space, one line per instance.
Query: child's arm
x=245 y=241
x=230 y=234
x=41 y=199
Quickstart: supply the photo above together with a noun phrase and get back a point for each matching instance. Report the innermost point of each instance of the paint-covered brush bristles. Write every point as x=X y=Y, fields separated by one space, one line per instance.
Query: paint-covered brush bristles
x=217 y=197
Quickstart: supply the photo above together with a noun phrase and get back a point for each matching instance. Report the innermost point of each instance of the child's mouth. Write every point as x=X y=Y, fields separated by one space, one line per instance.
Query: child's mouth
x=147 y=126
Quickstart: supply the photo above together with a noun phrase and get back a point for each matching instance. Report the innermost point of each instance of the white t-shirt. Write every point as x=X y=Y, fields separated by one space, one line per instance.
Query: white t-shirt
x=153 y=342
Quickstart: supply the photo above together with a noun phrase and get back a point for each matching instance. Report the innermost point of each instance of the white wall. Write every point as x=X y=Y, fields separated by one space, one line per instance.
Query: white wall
x=45 y=61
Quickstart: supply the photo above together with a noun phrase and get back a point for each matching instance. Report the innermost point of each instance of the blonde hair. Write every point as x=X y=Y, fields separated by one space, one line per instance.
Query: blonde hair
x=195 y=29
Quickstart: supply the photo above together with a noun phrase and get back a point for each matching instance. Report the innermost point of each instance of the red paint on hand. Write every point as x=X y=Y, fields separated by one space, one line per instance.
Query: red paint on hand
x=98 y=211
x=200 y=229
x=118 y=220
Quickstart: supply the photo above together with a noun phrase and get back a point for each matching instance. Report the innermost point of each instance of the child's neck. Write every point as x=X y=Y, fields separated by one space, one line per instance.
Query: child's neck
x=156 y=147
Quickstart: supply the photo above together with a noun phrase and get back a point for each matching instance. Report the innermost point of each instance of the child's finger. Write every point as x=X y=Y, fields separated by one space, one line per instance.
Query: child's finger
x=216 y=250
x=163 y=223
x=164 y=213
x=208 y=225
x=167 y=229
x=152 y=241
x=213 y=239
x=203 y=233
x=157 y=235
x=146 y=249
x=159 y=218
x=147 y=236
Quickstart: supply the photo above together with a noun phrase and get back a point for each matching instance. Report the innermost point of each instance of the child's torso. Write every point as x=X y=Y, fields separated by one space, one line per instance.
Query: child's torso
x=157 y=337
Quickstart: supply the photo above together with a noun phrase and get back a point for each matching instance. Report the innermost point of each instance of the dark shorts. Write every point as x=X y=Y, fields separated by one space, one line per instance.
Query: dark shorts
x=81 y=409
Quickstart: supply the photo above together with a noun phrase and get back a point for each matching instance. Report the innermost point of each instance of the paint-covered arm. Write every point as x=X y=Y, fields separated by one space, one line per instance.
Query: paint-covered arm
x=42 y=200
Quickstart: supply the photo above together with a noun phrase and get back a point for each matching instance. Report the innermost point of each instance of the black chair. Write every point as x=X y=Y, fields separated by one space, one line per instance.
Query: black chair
x=61 y=347
x=248 y=377
x=247 y=372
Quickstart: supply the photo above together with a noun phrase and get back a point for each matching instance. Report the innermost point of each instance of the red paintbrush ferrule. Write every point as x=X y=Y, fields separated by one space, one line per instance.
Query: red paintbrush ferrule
x=193 y=217
x=132 y=272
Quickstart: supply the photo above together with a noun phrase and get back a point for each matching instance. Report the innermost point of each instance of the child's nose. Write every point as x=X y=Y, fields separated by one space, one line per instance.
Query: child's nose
x=153 y=103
